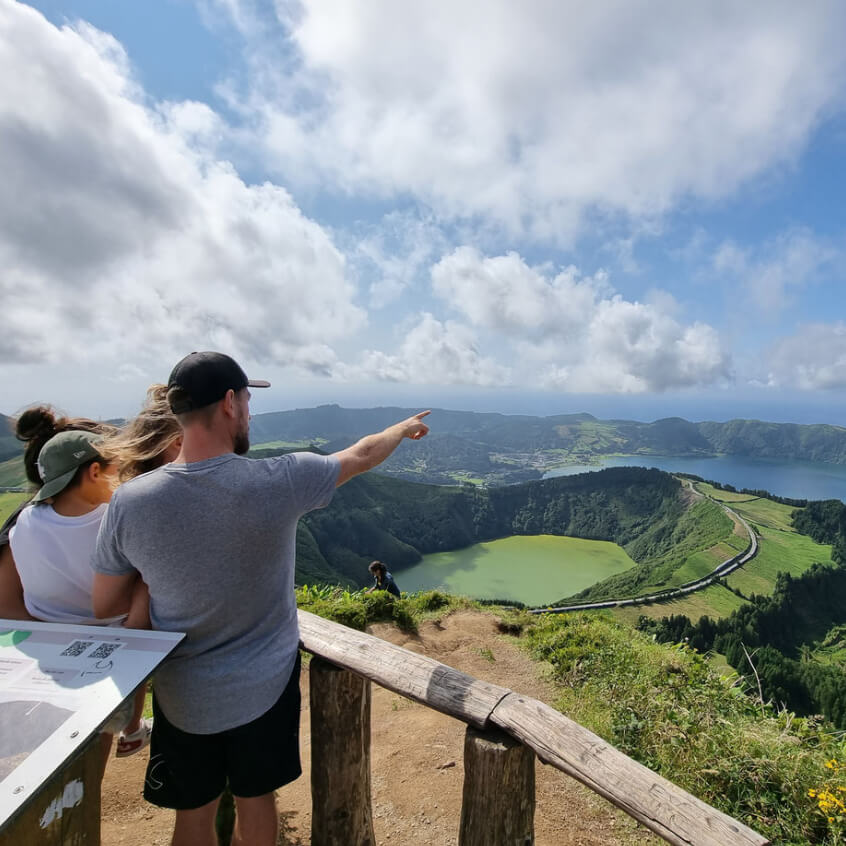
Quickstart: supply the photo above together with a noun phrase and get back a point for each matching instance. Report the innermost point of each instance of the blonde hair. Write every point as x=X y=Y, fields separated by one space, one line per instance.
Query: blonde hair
x=140 y=446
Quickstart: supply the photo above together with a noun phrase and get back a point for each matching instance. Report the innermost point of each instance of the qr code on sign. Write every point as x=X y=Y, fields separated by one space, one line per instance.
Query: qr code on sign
x=77 y=648
x=104 y=650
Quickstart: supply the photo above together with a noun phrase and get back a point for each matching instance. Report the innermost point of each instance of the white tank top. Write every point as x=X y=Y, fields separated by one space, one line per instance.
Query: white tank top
x=53 y=557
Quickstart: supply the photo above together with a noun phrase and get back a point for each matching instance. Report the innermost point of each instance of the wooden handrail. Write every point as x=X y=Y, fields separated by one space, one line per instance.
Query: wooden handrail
x=672 y=813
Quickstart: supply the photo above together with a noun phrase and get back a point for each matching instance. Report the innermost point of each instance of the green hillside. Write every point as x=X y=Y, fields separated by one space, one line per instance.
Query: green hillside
x=12 y=473
x=668 y=555
x=9 y=444
x=789 y=637
x=9 y=502
x=782 y=549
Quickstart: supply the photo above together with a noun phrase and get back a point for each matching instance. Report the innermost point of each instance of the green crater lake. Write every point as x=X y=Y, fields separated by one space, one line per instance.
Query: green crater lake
x=535 y=569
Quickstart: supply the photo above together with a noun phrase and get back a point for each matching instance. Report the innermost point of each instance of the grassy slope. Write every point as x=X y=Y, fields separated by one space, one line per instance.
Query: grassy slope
x=713 y=601
x=832 y=648
x=12 y=473
x=701 y=528
x=781 y=549
x=668 y=709
x=779 y=552
x=705 y=561
x=9 y=502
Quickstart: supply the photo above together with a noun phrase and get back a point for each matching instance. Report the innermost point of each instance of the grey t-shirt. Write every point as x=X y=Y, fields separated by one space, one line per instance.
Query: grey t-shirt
x=215 y=542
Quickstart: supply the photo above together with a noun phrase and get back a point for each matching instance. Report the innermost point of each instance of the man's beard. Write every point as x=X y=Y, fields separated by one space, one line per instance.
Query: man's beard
x=241 y=444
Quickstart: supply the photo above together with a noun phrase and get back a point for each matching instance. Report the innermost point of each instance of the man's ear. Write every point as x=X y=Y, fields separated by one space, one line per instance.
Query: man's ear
x=229 y=404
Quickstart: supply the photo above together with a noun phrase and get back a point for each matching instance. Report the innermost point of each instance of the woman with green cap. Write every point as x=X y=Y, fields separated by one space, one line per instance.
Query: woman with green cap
x=75 y=463
x=53 y=538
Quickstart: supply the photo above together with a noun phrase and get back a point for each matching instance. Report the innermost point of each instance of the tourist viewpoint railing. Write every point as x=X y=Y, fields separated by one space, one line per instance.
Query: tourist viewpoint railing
x=505 y=731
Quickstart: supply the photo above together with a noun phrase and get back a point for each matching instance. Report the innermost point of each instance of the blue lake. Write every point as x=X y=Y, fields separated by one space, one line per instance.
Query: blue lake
x=798 y=479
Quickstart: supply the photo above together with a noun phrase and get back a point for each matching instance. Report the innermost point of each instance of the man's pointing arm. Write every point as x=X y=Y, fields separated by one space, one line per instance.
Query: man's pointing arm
x=372 y=450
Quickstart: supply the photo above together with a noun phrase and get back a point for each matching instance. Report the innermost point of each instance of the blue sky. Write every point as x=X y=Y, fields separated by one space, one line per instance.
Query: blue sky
x=633 y=208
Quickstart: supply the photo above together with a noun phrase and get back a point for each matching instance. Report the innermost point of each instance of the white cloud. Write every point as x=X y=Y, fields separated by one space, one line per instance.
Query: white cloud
x=775 y=273
x=532 y=114
x=533 y=328
x=505 y=294
x=814 y=358
x=431 y=353
x=122 y=236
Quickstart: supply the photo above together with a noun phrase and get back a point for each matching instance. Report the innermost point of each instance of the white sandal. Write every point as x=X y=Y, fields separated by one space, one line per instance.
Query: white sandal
x=129 y=744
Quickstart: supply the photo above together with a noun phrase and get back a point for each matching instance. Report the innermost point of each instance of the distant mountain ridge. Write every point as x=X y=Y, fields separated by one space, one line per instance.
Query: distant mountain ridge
x=500 y=448
x=506 y=448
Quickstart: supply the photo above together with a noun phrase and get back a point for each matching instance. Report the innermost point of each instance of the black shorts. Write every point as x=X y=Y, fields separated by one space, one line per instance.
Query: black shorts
x=190 y=770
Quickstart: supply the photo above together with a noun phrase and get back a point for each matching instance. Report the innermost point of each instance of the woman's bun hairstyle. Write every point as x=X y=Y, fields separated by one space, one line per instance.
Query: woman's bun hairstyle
x=39 y=421
x=35 y=426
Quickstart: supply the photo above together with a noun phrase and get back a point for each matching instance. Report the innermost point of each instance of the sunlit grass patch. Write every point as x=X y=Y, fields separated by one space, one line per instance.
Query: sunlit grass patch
x=729 y=497
x=779 y=552
x=9 y=502
x=357 y=608
x=832 y=649
x=713 y=601
x=12 y=473
x=702 y=563
x=767 y=513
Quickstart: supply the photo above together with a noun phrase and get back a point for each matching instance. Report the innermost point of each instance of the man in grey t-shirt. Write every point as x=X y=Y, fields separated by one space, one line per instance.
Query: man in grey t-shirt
x=213 y=535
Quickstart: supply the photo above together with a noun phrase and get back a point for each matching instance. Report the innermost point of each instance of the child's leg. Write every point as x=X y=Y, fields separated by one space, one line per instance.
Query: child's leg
x=137 y=710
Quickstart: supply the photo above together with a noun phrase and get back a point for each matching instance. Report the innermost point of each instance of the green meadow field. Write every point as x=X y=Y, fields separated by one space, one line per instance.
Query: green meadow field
x=713 y=601
x=764 y=512
x=12 y=473
x=781 y=549
x=9 y=502
x=779 y=552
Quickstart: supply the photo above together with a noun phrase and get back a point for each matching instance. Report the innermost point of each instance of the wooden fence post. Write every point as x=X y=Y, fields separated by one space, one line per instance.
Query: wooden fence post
x=498 y=804
x=340 y=756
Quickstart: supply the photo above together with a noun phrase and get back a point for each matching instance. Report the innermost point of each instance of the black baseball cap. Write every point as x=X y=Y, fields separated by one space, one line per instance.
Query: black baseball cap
x=202 y=378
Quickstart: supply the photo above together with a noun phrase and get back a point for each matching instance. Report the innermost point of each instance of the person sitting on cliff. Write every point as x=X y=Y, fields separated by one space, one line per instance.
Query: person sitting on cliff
x=383 y=579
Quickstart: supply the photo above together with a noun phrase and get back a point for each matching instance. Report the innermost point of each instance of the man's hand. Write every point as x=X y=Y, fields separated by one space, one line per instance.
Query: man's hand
x=415 y=428
x=372 y=450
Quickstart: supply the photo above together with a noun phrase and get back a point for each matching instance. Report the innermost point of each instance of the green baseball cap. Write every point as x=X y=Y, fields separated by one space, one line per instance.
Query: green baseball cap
x=61 y=457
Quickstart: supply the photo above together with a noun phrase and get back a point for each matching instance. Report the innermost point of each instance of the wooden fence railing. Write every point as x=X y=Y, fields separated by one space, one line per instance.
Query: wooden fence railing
x=505 y=732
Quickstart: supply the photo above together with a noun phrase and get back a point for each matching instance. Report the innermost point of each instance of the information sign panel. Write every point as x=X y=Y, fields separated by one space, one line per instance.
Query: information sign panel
x=58 y=684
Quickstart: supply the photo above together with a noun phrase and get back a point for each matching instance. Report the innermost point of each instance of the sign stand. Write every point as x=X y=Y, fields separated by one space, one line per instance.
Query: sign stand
x=66 y=809
x=59 y=684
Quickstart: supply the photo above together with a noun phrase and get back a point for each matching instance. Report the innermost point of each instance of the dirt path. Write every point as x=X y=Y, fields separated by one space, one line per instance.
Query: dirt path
x=417 y=767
